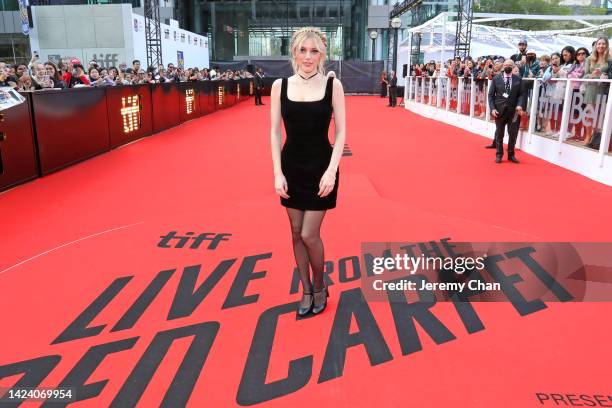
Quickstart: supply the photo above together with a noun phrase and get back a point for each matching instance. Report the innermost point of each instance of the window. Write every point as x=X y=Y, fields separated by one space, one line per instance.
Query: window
x=174 y=35
x=167 y=34
x=182 y=37
x=320 y=11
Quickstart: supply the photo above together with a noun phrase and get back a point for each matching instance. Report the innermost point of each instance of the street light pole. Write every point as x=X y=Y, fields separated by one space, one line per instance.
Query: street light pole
x=396 y=23
x=373 y=36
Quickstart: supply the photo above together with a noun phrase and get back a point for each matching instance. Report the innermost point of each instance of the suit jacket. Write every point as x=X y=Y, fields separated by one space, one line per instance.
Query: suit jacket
x=517 y=96
x=258 y=80
x=393 y=82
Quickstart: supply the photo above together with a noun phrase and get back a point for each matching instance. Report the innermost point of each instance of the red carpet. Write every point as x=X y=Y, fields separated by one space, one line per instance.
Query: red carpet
x=68 y=236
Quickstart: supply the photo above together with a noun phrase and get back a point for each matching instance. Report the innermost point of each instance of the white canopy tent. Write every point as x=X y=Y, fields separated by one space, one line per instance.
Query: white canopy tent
x=487 y=40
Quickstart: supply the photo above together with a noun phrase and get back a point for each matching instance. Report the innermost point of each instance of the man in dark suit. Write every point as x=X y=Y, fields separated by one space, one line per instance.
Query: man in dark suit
x=392 y=89
x=507 y=102
x=258 y=85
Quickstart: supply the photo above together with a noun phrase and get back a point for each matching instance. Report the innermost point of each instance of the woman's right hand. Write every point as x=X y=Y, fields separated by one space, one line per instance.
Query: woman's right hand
x=280 y=185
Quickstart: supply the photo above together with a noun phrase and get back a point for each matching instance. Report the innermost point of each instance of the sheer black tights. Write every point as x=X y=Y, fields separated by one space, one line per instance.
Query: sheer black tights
x=308 y=251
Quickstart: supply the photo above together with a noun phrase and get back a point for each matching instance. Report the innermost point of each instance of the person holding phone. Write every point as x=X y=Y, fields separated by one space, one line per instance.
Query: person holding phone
x=149 y=78
x=40 y=80
x=54 y=75
x=71 y=71
x=25 y=83
x=97 y=80
x=77 y=76
x=33 y=61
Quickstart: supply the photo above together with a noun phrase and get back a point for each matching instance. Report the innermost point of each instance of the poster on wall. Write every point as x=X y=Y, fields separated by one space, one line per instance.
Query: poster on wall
x=180 y=59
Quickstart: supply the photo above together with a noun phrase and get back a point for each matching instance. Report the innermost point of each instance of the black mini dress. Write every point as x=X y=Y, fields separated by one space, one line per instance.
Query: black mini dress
x=307 y=152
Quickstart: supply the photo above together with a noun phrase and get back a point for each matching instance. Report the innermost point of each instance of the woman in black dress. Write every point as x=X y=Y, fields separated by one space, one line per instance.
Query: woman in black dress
x=306 y=174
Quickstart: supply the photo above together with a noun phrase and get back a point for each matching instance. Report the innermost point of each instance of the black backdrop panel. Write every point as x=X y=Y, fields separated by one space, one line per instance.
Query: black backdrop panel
x=333 y=66
x=189 y=101
x=244 y=88
x=71 y=125
x=356 y=76
x=361 y=76
x=274 y=68
x=121 y=114
x=233 y=65
x=165 y=99
x=17 y=150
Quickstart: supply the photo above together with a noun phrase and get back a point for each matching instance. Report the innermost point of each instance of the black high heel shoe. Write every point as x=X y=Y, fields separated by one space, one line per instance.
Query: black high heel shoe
x=318 y=309
x=303 y=311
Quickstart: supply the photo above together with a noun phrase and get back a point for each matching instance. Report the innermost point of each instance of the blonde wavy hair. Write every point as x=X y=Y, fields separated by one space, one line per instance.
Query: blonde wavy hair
x=595 y=57
x=320 y=40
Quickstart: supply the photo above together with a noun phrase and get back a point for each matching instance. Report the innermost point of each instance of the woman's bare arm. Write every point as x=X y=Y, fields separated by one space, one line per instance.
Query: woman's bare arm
x=276 y=136
x=275 y=126
x=326 y=185
x=340 y=126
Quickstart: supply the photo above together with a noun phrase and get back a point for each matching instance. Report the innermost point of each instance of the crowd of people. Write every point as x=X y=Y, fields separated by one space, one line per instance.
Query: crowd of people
x=570 y=63
x=70 y=73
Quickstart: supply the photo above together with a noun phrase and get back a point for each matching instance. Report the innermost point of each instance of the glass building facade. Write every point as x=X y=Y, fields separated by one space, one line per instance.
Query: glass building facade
x=263 y=28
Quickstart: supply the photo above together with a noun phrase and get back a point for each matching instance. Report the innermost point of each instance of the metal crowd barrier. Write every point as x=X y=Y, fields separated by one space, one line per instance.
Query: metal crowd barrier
x=567 y=110
x=54 y=129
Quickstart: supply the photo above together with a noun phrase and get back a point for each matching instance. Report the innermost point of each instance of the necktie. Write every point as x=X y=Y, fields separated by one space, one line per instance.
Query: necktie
x=507 y=85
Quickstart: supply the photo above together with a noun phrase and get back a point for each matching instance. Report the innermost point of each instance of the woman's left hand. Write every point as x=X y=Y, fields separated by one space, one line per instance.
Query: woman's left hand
x=327 y=183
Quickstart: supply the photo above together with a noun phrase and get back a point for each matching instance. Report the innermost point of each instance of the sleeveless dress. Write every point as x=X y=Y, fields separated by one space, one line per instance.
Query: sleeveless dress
x=307 y=152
